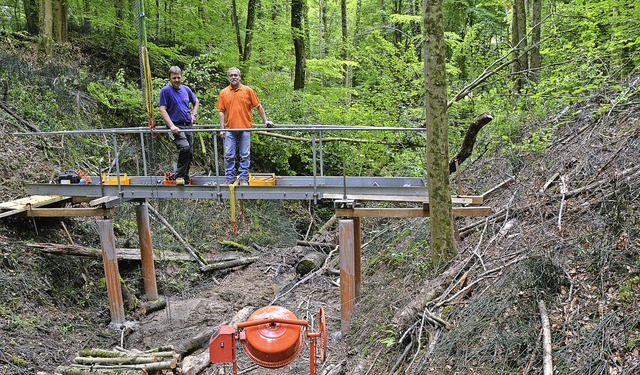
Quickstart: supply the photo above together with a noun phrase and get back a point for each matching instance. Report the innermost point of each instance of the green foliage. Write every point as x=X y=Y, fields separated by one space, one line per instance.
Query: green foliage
x=390 y=340
x=19 y=361
x=121 y=96
x=24 y=323
x=587 y=44
x=628 y=292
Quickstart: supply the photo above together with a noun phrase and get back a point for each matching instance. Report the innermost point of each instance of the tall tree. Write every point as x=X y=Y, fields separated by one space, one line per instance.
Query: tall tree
x=248 y=36
x=536 y=18
x=46 y=18
x=519 y=43
x=435 y=86
x=297 y=7
x=32 y=15
x=60 y=8
x=236 y=25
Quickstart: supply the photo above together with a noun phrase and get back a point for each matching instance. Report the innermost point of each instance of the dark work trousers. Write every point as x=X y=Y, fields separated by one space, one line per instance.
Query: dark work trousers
x=184 y=144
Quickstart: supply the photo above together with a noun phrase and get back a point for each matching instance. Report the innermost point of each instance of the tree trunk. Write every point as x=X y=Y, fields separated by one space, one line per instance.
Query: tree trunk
x=60 y=20
x=31 y=12
x=297 y=7
x=46 y=20
x=536 y=18
x=435 y=84
x=248 y=36
x=356 y=27
x=236 y=25
x=519 y=43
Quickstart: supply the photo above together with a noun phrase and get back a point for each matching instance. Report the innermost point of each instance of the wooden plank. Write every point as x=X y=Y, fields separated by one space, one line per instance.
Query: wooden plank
x=11 y=213
x=457 y=199
x=33 y=201
x=408 y=212
x=67 y=212
x=103 y=200
x=472 y=211
x=21 y=205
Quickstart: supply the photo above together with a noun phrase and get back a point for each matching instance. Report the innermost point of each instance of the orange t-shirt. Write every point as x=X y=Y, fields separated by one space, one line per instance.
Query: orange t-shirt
x=236 y=105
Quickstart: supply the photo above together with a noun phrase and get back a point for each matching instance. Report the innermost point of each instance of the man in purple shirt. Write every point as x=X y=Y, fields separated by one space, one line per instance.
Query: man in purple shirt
x=175 y=107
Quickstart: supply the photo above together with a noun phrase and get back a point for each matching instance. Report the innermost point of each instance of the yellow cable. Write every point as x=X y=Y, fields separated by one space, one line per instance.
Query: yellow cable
x=148 y=90
x=232 y=203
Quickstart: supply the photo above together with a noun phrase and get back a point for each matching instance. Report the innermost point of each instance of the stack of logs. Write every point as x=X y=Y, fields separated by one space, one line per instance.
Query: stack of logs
x=163 y=360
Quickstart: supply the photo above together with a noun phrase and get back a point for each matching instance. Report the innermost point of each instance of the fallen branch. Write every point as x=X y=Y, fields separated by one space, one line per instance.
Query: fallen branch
x=431 y=288
x=497 y=187
x=177 y=236
x=469 y=140
x=309 y=276
x=151 y=306
x=235 y=245
x=630 y=172
x=321 y=245
x=227 y=264
x=546 y=339
x=20 y=119
x=121 y=253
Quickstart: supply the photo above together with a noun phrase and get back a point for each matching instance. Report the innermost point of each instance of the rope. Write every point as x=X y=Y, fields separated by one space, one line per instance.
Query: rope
x=148 y=90
x=232 y=206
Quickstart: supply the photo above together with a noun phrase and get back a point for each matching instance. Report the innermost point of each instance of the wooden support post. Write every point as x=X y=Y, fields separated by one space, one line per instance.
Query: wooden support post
x=347 y=273
x=108 y=243
x=357 y=255
x=146 y=252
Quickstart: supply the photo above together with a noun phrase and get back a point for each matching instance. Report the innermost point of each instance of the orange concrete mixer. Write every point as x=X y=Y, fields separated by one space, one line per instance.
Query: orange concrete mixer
x=272 y=337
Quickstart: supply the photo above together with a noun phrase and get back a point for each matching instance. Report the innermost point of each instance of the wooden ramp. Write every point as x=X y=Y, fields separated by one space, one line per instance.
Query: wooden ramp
x=25 y=204
x=39 y=206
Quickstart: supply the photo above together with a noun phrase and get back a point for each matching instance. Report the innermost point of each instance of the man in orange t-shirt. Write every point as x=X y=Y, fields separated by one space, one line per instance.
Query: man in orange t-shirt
x=234 y=107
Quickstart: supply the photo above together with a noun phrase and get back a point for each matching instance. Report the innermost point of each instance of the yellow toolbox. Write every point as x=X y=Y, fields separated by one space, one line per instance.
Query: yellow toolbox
x=113 y=180
x=262 y=179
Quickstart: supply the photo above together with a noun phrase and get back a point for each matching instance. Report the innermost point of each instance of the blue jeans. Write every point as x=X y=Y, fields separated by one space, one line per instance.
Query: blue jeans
x=242 y=141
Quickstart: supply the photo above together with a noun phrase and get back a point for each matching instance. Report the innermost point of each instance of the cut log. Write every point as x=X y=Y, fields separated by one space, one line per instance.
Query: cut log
x=321 y=245
x=404 y=317
x=115 y=360
x=193 y=343
x=228 y=264
x=195 y=364
x=235 y=245
x=121 y=253
x=87 y=370
x=108 y=369
x=151 y=306
x=310 y=262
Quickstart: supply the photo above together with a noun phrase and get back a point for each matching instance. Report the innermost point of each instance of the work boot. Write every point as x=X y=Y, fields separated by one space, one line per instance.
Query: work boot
x=180 y=181
x=244 y=182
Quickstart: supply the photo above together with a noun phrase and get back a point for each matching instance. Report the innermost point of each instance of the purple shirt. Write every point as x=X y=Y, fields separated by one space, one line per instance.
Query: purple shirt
x=177 y=102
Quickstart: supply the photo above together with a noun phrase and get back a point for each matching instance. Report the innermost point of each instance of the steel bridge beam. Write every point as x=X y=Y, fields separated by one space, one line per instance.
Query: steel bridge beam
x=286 y=188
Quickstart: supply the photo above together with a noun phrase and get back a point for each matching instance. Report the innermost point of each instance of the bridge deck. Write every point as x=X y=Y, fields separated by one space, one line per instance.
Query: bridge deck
x=289 y=188
x=344 y=191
